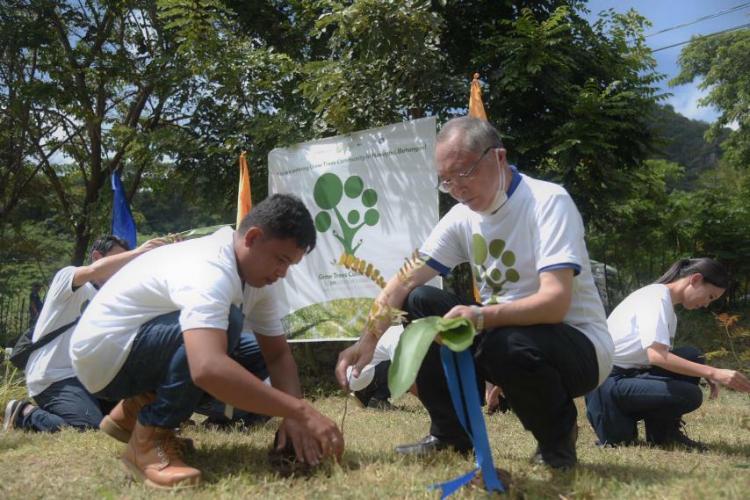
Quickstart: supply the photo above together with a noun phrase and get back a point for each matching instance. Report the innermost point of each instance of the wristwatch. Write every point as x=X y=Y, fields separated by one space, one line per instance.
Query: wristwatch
x=478 y=318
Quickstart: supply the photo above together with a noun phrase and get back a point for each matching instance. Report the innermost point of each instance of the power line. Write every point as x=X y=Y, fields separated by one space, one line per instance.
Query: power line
x=704 y=18
x=703 y=36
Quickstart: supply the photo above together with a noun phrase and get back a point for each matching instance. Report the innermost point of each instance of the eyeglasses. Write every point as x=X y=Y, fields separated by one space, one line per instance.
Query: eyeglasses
x=445 y=185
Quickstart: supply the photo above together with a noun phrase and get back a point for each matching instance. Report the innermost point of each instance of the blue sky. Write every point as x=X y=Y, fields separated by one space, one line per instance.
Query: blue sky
x=667 y=13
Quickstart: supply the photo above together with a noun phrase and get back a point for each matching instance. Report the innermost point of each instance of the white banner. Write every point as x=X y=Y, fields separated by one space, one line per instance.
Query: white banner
x=372 y=196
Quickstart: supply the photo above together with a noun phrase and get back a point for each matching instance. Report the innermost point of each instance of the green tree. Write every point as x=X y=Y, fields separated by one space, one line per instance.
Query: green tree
x=719 y=208
x=23 y=103
x=383 y=64
x=572 y=99
x=123 y=86
x=108 y=77
x=719 y=216
x=721 y=63
x=650 y=228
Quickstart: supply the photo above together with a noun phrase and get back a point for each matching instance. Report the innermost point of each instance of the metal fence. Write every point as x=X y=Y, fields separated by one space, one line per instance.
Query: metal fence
x=14 y=318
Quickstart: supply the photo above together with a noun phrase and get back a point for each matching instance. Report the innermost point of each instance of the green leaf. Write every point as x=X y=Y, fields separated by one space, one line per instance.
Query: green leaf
x=199 y=232
x=457 y=334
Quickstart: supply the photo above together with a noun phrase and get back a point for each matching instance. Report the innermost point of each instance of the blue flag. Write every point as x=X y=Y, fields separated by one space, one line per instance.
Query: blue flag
x=123 y=225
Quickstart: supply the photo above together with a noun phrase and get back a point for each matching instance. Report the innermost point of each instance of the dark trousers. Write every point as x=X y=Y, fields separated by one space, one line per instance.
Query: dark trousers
x=65 y=403
x=658 y=397
x=158 y=363
x=540 y=368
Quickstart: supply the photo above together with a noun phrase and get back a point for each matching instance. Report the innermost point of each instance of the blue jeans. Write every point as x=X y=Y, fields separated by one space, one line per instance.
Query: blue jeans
x=656 y=396
x=248 y=354
x=65 y=403
x=158 y=363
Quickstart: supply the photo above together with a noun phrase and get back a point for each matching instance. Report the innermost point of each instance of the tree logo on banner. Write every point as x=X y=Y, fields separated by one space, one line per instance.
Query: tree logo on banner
x=328 y=193
x=494 y=277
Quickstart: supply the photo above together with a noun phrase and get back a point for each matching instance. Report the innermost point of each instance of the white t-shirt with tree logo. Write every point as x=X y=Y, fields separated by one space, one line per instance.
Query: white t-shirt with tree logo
x=538 y=229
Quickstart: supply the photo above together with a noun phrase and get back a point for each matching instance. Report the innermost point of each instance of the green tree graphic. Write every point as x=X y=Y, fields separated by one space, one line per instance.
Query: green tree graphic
x=328 y=193
x=493 y=276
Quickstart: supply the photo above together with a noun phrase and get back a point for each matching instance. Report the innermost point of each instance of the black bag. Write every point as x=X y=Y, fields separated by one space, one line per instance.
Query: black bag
x=24 y=346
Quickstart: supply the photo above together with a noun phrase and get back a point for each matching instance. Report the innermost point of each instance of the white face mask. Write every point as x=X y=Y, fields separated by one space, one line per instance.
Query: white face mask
x=500 y=197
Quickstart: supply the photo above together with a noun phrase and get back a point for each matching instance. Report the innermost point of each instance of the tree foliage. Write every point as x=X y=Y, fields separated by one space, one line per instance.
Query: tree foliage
x=23 y=103
x=573 y=99
x=719 y=208
x=721 y=63
x=108 y=74
x=382 y=64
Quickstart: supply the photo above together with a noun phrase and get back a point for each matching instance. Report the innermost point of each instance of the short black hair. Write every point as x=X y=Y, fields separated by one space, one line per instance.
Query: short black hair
x=104 y=244
x=282 y=216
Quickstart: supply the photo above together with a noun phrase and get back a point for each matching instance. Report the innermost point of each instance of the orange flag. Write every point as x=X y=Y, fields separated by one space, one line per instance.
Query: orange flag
x=476 y=107
x=244 y=199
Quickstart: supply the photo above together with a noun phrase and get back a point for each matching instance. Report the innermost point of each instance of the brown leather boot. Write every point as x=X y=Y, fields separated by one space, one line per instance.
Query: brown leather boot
x=154 y=456
x=121 y=420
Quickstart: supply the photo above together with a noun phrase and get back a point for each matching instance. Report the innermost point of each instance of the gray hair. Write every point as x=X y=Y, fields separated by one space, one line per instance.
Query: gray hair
x=475 y=134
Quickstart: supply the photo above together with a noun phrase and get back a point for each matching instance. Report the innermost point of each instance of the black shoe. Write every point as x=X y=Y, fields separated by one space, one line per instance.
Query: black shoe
x=561 y=455
x=429 y=445
x=378 y=388
x=380 y=404
x=362 y=398
x=675 y=438
x=12 y=411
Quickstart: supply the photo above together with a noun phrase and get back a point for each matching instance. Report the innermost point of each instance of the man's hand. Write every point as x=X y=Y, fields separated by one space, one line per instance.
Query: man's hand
x=306 y=448
x=460 y=311
x=313 y=436
x=151 y=244
x=357 y=356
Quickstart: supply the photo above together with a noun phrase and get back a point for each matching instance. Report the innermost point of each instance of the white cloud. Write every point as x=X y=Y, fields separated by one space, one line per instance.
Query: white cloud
x=685 y=101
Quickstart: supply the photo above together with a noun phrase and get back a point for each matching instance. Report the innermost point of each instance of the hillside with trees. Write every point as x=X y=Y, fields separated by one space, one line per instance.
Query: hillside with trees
x=683 y=141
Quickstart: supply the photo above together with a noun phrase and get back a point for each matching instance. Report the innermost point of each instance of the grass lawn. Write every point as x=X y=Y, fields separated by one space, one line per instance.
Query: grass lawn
x=86 y=465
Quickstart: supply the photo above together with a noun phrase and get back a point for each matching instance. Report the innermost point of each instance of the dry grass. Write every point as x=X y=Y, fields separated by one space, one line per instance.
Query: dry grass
x=86 y=465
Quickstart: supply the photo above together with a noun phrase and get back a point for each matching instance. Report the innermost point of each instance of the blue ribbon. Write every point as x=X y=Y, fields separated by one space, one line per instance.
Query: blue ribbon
x=462 y=385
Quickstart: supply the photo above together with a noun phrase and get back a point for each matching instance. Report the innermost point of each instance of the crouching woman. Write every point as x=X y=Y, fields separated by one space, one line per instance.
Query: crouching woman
x=651 y=381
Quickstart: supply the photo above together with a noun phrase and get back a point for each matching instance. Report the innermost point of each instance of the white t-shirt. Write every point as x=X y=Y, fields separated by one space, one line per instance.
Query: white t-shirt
x=645 y=317
x=538 y=229
x=198 y=277
x=62 y=305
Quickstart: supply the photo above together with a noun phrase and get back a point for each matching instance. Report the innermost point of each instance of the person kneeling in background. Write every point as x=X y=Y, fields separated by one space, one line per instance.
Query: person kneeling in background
x=651 y=381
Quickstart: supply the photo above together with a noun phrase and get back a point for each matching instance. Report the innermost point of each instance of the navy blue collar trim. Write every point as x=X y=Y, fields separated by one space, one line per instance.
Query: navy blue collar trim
x=515 y=180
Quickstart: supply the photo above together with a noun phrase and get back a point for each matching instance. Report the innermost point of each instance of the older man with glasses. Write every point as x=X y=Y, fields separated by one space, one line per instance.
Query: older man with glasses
x=542 y=328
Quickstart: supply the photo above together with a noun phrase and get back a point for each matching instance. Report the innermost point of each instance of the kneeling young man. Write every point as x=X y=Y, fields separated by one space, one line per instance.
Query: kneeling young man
x=62 y=400
x=543 y=335
x=160 y=335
